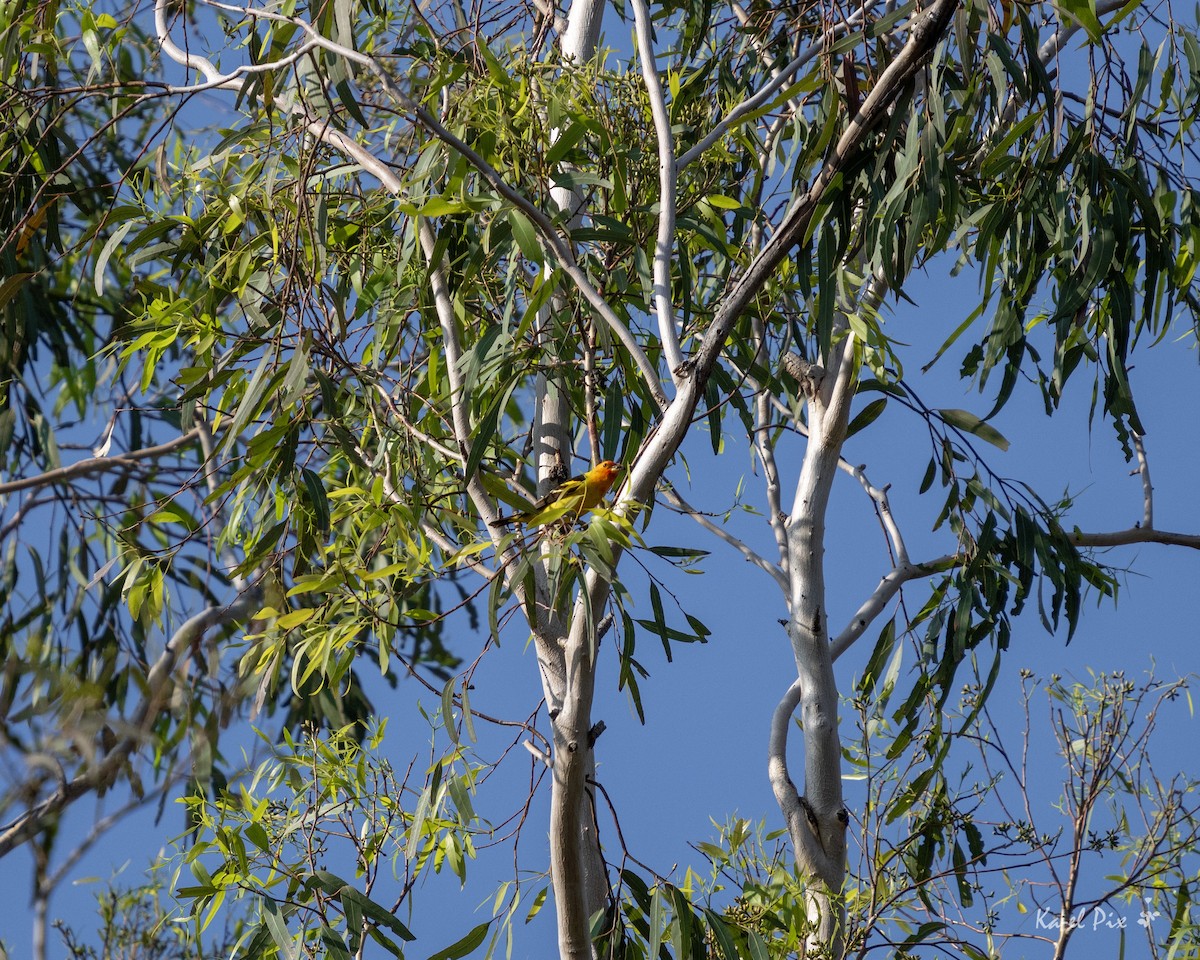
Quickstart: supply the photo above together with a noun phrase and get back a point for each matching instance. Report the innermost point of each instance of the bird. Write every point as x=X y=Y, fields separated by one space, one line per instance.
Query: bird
x=571 y=499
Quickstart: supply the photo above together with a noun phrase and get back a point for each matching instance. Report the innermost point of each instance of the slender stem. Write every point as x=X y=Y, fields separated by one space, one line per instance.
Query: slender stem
x=880 y=496
x=874 y=605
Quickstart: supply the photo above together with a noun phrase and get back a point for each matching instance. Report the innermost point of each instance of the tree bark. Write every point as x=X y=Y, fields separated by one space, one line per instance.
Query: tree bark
x=817 y=820
x=566 y=650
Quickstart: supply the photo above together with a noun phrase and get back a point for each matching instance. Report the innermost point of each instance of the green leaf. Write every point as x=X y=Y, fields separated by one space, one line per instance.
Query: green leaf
x=614 y=404
x=460 y=948
x=107 y=251
x=866 y=416
x=965 y=896
x=315 y=491
x=875 y=668
x=277 y=927
x=930 y=473
x=925 y=931
x=758 y=949
x=720 y=932
x=416 y=828
x=1083 y=12
x=566 y=140
x=9 y=287
x=346 y=95
x=335 y=946
x=965 y=420
x=657 y=918
x=442 y=206
x=255 y=394
x=525 y=235
x=484 y=434
x=172 y=512
x=448 y=709
x=537 y=904
x=377 y=913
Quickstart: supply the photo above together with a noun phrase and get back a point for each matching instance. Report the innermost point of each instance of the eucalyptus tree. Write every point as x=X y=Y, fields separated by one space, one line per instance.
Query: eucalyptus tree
x=337 y=281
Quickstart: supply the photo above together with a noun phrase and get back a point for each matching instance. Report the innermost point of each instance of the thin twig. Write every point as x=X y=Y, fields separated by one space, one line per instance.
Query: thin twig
x=675 y=500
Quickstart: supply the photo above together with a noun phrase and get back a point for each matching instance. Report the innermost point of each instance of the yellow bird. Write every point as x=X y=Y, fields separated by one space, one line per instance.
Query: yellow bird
x=571 y=498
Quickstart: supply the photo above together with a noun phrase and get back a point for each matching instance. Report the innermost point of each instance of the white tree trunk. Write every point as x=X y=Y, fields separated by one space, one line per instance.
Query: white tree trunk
x=817 y=818
x=566 y=654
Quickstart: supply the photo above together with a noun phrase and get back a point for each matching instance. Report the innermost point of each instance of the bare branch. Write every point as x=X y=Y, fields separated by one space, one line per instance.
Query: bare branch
x=766 y=455
x=453 y=350
x=880 y=496
x=1122 y=538
x=99 y=465
x=781 y=718
x=215 y=79
x=538 y=754
x=804 y=827
x=1049 y=50
x=874 y=605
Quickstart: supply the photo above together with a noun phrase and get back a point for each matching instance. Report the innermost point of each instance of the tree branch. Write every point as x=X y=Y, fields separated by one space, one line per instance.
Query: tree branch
x=777 y=765
x=880 y=496
x=99 y=465
x=888 y=587
x=667 y=179
x=1122 y=538
x=453 y=350
x=766 y=455
x=1147 y=486
x=804 y=829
